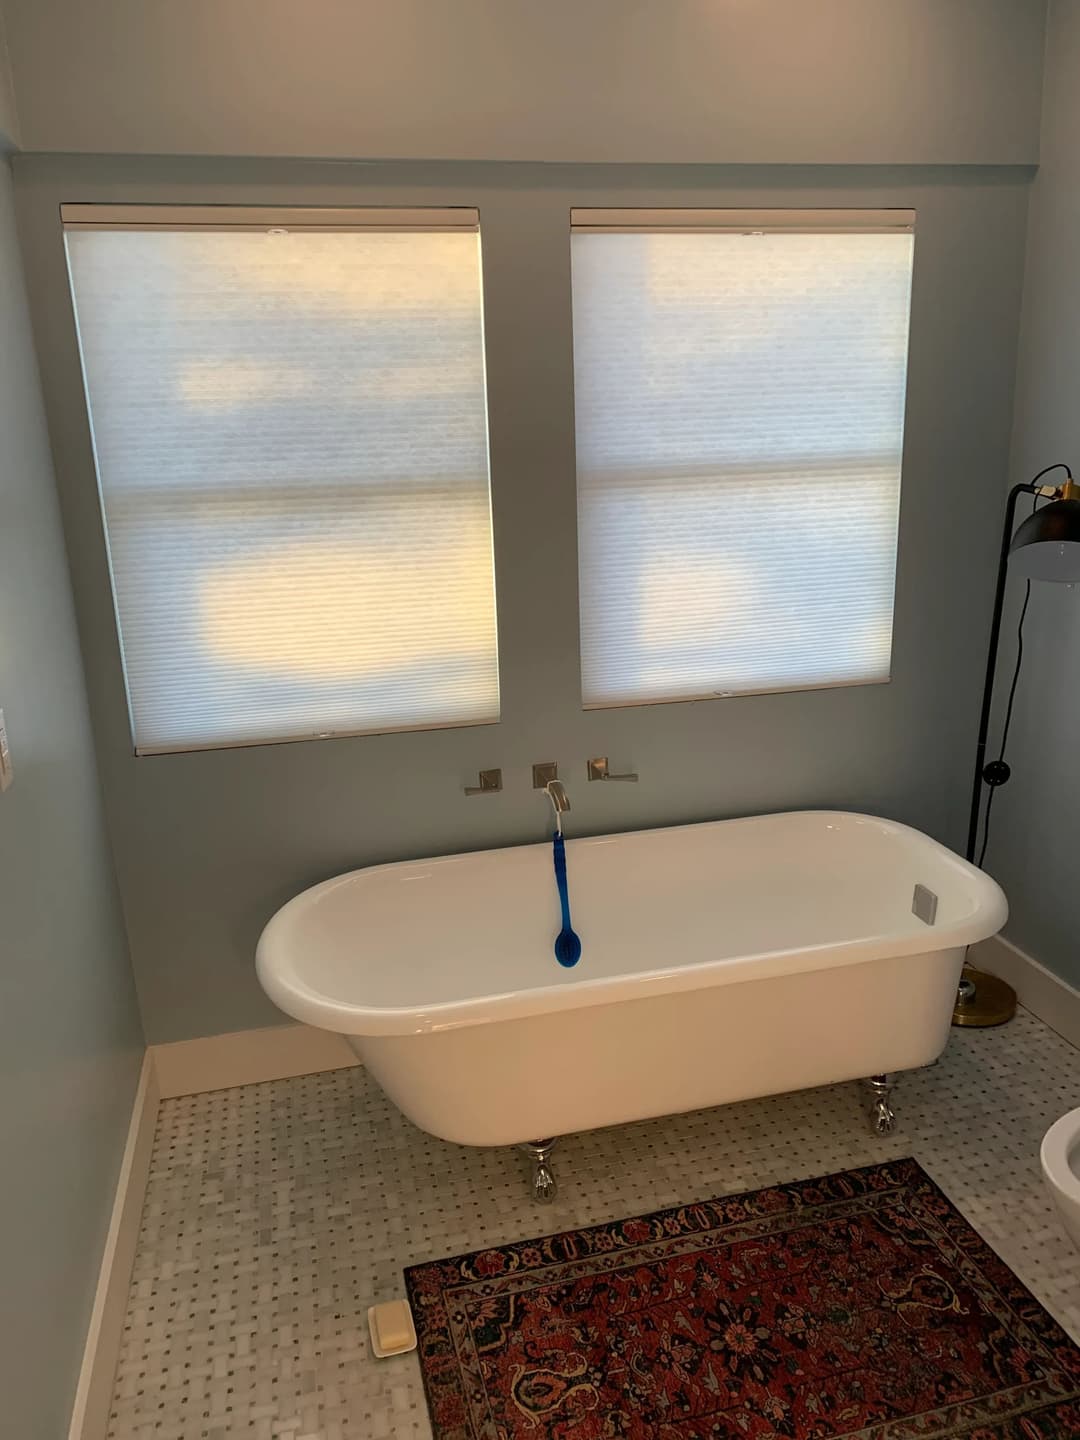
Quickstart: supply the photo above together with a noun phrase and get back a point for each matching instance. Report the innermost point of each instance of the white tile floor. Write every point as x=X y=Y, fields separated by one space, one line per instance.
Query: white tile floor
x=277 y=1213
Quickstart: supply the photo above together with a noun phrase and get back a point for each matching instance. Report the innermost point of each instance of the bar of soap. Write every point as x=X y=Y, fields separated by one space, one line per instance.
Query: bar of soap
x=392 y=1329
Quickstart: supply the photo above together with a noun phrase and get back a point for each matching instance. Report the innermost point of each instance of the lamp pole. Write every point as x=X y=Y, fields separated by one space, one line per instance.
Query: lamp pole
x=981 y=768
x=1047 y=547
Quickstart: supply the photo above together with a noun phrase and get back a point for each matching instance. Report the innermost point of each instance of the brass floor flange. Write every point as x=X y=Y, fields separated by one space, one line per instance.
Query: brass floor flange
x=993 y=1003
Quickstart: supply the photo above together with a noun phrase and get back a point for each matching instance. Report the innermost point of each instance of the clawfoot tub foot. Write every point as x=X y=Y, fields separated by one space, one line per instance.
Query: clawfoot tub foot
x=544 y=1185
x=882 y=1115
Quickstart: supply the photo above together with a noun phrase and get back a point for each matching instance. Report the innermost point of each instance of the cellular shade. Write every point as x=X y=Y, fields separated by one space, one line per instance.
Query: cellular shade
x=289 y=423
x=739 y=393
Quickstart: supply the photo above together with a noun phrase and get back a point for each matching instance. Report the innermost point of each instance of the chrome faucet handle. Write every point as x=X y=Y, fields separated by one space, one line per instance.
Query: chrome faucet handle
x=490 y=783
x=597 y=769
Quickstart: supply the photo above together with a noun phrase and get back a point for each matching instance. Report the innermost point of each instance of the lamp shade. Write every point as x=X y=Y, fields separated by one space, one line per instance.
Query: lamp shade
x=1047 y=544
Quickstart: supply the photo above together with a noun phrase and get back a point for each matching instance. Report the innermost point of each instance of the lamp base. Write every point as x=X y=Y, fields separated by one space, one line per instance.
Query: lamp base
x=983 y=999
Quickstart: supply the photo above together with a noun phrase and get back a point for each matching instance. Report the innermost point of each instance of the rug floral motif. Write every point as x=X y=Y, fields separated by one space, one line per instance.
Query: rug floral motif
x=861 y=1304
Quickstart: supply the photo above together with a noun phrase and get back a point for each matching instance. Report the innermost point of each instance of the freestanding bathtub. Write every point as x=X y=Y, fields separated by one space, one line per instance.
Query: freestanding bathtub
x=720 y=961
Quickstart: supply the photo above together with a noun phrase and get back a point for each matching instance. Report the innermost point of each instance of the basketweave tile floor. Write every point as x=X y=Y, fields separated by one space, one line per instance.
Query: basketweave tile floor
x=277 y=1213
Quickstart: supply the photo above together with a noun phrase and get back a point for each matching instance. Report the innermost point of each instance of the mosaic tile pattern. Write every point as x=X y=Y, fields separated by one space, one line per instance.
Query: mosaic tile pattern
x=277 y=1213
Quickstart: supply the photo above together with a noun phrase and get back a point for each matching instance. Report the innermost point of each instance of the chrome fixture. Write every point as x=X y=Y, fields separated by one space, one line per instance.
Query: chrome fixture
x=546 y=778
x=490 y=782
x=597 y=769
x=555 y=790
x=882 y=1115
x=544 y=774
x=544 y=1185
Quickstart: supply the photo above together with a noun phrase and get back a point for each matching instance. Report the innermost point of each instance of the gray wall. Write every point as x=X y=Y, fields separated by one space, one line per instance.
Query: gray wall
x=1033 y=848
x=70 y=1040
x=9 y=124
x=715 y=81
x=209 y=844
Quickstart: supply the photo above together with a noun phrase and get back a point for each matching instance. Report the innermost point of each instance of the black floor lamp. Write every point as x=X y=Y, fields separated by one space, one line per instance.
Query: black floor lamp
x=1045 y=547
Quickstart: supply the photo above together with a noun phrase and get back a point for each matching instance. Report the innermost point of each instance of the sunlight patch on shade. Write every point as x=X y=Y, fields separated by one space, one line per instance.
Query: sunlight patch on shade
x=772 y=268
x=408 y=271
x=217 y=386
x=350 y=611
x=223 y=384
x=680 y=604
x=423 y=379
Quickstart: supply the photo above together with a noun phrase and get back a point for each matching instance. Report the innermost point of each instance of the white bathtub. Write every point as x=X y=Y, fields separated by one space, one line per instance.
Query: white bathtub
x=719 y=961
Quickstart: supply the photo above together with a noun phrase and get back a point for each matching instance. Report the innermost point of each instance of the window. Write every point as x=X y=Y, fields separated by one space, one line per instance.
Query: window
x=739 y=382
x=289 y=422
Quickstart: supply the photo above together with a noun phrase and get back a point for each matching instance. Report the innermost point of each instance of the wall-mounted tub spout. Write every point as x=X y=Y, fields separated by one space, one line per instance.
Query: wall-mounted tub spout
x=555 y=790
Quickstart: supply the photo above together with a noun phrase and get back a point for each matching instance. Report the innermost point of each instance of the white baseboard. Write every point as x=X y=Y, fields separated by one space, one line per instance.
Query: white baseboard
x=218 y=1062
x=1053 y=1000
x=93 y=1393
x=185 y=1067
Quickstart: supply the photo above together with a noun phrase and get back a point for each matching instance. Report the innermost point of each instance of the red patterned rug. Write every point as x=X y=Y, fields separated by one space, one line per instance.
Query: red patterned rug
x=861 y=1304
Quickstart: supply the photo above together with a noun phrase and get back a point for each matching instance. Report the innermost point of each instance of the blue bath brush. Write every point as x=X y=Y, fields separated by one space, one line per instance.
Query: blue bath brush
x=567 y=943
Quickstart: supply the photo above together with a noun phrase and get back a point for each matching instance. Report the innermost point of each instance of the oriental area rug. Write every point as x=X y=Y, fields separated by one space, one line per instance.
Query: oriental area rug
x=861 y=1304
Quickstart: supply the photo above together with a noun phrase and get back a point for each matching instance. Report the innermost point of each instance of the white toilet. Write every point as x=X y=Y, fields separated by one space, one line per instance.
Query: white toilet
x=1060 y=1157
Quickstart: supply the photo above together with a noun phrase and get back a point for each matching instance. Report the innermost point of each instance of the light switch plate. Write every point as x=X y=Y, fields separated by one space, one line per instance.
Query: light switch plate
x=6 y=772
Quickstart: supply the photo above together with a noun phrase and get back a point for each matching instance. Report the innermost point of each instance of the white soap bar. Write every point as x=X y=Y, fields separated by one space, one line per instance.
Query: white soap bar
x=392 y=1329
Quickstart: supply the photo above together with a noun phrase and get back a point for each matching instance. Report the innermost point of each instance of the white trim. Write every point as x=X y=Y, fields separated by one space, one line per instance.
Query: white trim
x=741 y=221
x=263 y=217
x=185 y=1067
x=93 y=1393
x=1052 y=999
x=149 y=751
x=244 y=1057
